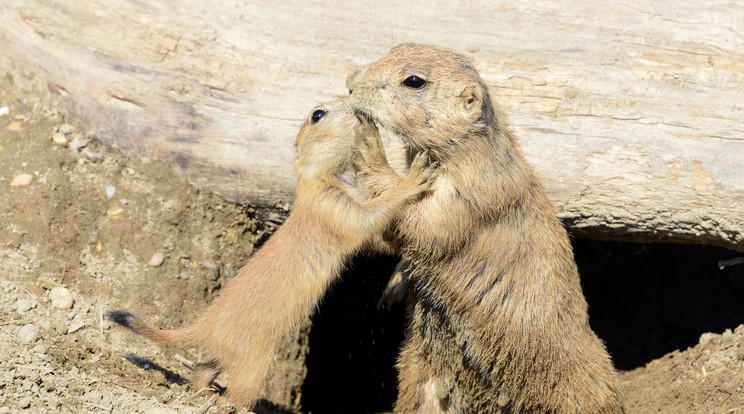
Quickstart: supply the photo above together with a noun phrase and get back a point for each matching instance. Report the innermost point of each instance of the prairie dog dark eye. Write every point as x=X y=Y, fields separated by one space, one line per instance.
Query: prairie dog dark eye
x=414 y=82
x=317 y=115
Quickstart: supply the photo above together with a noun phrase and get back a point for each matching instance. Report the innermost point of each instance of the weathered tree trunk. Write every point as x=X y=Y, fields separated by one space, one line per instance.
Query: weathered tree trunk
x=632 y=112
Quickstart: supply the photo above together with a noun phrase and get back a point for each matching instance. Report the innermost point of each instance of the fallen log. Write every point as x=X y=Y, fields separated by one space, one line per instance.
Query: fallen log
x=632 y=113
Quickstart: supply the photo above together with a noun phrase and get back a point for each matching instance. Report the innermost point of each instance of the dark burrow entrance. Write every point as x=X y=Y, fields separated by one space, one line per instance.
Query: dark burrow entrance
x=645 y=300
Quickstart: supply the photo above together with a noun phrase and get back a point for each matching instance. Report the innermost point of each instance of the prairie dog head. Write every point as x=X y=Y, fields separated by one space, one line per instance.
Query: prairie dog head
x=326 y=139
x=429 y=96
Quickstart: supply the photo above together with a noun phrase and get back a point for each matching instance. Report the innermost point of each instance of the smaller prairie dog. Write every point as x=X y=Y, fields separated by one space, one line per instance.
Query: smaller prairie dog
x=333 y=217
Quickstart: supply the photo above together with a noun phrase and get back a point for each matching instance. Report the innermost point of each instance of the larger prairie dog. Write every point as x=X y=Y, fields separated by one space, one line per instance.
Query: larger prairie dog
x=499 y=321
x=281 y=283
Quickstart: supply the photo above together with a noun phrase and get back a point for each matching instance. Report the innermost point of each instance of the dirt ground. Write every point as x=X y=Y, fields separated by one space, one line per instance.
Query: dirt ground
x=91 y=221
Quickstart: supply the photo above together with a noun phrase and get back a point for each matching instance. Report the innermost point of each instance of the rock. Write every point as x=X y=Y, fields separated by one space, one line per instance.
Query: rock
x=93 y=236
x=48 y=384
x=78 y=142
x=24 y=305
x=59 y=139
x=29 y=334
x=66 y=128
x=107 y=324
x=24 y=402
x=15 y=126
x=157 y=259
x=21 y=180
x=39 y=349
x=4 y=111
x=75 y=326
x=61 y=298
x=706 y=337
x=208 y=265
x=740 y=349
x=4 y=410
x=92 y=156
x=59 y=327
x=114 y=212
x=110 y=191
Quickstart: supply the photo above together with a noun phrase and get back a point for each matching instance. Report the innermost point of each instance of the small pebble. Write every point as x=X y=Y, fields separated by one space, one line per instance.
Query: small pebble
x=107 y=324
x=115 y=212
x=59 y=327
x=59 y=139
x=209 y=265
x=66 y=128
x=39 y=349
x=93 y=156
x=29 y=334
x=706 y=337
x=93 y=236
x=61 y=298
x=24 y=305
x=4 y=111
x=78 y=142
x=75 y=326
x=110 y=191
x=4 y=410
x=21 y=180
x=15 y=126
x=157 y=259
x=48 y=384
x=24 y=402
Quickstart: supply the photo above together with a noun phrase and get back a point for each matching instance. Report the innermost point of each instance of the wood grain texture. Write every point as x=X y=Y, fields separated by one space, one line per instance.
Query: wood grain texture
x=632 y=112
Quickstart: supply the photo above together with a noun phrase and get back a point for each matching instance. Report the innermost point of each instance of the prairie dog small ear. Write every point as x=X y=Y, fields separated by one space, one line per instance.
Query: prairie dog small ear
x=353 y=79
x=472 y=98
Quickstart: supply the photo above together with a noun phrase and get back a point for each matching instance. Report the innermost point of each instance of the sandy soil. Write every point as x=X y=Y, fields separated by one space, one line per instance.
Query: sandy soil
x=64 y=231
x=65 y=238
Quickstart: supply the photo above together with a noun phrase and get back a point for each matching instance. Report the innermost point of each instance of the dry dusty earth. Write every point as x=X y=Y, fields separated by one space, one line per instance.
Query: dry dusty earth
x=63 y=237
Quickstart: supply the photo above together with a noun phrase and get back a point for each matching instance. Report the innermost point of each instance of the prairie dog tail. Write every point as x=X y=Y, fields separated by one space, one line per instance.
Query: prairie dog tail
x=139 y=326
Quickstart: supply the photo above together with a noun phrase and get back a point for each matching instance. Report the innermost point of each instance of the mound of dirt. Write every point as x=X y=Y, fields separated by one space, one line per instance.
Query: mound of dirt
x=708 y=378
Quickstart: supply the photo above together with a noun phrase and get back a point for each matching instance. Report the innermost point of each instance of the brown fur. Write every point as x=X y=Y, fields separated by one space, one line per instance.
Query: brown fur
x=499 y=321
x=278 y=287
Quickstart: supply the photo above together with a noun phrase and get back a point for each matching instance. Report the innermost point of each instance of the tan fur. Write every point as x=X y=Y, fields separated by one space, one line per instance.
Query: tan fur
x=276 y=290
x=499 y=321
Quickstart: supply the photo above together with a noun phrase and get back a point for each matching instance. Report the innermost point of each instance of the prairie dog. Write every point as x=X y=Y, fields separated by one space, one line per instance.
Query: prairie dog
x=281 y=283
x=499 y=322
